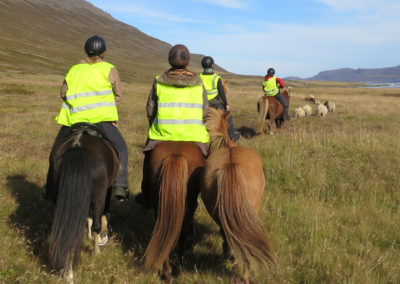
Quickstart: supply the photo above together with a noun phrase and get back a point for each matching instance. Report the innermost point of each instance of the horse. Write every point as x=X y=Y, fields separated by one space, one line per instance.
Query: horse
x=270 y=107
x=231 y=192
x=82 y=170
x=171 y=174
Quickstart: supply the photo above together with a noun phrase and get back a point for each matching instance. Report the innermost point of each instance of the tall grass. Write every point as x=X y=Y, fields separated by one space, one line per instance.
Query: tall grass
x=331 y=202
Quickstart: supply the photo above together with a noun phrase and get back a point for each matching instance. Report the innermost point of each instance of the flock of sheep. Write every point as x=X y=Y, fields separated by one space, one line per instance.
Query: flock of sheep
x=320 y=110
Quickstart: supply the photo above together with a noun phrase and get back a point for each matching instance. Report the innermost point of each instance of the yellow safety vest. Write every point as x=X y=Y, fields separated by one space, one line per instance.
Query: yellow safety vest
x=89 y=97
x=270 y=87
x=210 y=82
x=179 y=114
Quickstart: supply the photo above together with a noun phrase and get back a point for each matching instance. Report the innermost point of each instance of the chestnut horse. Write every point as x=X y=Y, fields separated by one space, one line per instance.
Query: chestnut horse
x=270 y=108
x=82 y=170
x=171 y=175
x=231 y=191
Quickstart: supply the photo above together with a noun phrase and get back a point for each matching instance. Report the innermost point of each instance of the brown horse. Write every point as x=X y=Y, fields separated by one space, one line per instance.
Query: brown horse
x=231 y=191
x=82 y=170
x=270 y=108
x=172 y=174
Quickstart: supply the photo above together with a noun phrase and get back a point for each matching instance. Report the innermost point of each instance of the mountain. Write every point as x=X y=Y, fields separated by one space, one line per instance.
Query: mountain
x=47 y=36
x=375 y=75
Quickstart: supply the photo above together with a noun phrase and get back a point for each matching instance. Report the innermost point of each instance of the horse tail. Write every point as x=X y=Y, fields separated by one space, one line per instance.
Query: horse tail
x=170 y=213
x=241 y=225
x=262 y=105
x=72 y=208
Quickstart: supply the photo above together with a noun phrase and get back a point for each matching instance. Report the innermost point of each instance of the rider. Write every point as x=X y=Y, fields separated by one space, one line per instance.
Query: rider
x=272 y=86
x=215 y=92
x=90 y=91
x=176 y=107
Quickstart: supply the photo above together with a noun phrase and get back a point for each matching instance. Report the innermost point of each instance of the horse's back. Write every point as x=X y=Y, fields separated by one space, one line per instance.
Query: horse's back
x=189 y=150
x=103 y=158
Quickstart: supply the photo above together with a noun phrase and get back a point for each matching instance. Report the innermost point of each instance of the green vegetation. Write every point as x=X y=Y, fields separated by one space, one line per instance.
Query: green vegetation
x=331 y=203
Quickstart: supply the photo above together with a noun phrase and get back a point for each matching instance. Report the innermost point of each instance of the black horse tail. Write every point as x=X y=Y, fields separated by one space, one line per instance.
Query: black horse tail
x=72 y=208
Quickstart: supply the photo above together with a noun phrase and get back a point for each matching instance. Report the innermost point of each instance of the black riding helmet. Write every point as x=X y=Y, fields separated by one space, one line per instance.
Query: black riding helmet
x=95 y=46
x=271 y=72
x=207 y=62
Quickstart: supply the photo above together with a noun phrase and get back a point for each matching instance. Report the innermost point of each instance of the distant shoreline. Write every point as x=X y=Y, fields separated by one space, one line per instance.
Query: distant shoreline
x=381 y=85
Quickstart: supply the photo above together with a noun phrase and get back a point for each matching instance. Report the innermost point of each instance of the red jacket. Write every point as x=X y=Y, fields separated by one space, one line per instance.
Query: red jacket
x=278 y=80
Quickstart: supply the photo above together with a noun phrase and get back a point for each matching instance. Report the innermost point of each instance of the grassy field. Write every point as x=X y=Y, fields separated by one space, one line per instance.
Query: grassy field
x=330 y=206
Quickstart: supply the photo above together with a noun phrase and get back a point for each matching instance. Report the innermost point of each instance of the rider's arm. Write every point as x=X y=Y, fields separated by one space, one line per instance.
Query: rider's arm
x=151 y=105
x=115 y=81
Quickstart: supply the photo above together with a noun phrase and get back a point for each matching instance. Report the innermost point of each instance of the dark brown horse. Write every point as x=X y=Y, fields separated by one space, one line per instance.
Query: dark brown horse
x=270 y=108
x=172 y=175
x=231 y=191
x=82 y=170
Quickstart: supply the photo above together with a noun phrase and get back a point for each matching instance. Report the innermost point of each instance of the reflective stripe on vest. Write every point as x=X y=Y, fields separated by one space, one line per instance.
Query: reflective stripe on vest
x=270 y=87
x=89 y=97
x=179 y=114
x=210 y=84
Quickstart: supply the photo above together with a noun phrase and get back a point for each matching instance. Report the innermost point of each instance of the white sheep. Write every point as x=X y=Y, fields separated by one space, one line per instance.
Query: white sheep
x=321 y=110
x=310 y=98
x=299 y=112
x=331 y=105
x=307 y=109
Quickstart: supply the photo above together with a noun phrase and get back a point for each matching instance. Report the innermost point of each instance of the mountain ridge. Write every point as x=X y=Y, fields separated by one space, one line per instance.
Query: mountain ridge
x=47 y=36
x=361 y=75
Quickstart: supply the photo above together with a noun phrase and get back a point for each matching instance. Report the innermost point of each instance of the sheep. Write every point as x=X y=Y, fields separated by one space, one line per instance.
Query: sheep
x=307 y=109
x=310 y=98
x=321 y=110
x=331 y=105
x=299 y=112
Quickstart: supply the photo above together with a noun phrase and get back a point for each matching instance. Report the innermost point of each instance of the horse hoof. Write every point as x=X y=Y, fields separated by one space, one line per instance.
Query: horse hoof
x=103 y=241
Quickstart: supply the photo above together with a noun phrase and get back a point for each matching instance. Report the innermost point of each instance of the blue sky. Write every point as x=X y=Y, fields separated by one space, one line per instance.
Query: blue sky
x=297 y=38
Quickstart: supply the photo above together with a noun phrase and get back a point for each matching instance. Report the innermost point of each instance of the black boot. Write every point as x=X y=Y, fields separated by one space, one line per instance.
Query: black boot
x=286 y=115
x=121 y=193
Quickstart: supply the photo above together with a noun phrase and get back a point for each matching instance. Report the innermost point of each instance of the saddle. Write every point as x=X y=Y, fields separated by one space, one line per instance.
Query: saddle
x=86 y=128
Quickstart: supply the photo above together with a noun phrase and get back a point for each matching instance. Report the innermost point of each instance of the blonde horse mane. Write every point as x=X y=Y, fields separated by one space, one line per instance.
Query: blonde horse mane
x=217 y=129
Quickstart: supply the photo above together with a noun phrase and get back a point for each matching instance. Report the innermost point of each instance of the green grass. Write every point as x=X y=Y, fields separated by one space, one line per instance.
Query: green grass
x=330 y=205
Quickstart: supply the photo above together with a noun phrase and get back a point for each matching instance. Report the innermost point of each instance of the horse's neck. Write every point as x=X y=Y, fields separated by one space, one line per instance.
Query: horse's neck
x=220 y=141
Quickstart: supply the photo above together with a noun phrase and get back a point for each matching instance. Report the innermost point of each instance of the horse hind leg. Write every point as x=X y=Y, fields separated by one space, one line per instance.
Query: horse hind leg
x=90 y=224
x=103 y=237
x=167 y=271
x=68 y=274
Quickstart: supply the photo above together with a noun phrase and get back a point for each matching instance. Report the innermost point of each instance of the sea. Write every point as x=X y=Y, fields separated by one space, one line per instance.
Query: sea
x=382 y=85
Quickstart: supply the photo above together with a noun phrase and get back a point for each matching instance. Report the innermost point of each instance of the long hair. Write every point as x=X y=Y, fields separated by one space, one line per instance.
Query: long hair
x=262 y=113
x=171 y=210
x=241 y=225
x=73 y=202
x=217 y=129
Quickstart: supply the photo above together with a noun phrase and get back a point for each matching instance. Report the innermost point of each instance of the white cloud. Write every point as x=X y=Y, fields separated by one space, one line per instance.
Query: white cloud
x=235 y=4
x=149 y=13
x=302 y=50
x=357 y=5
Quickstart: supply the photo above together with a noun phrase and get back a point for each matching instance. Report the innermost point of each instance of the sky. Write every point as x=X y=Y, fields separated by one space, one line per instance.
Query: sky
x=297 y=38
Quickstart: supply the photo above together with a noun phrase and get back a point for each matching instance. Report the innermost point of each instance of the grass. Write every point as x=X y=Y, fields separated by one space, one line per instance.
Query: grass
x=330 y=206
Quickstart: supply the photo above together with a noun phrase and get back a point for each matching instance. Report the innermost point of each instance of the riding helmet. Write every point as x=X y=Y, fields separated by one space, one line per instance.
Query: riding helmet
x=95 y=46
x=271 y=72
x=179 y=56
x=207 y=62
